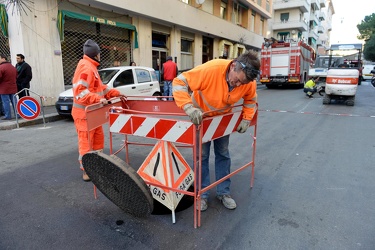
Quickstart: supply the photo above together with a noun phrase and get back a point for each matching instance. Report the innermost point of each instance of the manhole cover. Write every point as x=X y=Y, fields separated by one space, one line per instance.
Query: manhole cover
x=119 y=182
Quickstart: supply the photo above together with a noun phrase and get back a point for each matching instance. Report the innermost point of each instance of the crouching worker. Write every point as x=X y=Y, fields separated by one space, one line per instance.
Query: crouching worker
x=310 y=86
x=88 y=89
x=218 y=84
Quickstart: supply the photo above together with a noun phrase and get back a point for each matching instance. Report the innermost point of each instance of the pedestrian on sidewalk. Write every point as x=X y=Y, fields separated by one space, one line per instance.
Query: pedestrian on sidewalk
x=217 y=85
x=24 y=76
x=8 y=87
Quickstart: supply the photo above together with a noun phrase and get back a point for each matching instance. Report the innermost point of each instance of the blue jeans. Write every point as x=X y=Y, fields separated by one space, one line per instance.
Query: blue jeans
x=168 y=89
x=7 y=99
x=222 y=165
x=310 y=91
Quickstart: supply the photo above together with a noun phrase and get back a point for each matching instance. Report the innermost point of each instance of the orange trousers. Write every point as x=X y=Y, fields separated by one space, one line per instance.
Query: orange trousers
x=96 y=142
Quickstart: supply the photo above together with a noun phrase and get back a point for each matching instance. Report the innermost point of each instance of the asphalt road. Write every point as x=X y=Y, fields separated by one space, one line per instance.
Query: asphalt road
x=314 y=182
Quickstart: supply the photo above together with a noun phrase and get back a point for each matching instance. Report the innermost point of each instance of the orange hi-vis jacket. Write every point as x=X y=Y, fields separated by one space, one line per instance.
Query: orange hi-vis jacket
x=206 y=87
x=88 y=89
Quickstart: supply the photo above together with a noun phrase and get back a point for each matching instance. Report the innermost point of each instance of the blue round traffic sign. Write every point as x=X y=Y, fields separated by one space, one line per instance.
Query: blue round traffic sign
x=28 y=108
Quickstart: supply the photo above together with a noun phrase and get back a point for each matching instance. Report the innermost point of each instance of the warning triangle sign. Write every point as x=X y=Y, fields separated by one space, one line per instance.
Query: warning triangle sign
x=166 y=166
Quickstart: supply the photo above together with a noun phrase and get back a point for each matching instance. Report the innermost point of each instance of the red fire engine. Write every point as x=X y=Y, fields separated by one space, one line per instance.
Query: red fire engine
x=285 y=62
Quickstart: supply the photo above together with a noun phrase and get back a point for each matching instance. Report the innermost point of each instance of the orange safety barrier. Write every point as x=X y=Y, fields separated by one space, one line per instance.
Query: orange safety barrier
x=164 y=121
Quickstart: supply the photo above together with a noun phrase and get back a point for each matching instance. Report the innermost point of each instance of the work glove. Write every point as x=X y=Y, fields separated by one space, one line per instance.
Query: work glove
x=195 y=114
x=103 y=101
x=242 y=127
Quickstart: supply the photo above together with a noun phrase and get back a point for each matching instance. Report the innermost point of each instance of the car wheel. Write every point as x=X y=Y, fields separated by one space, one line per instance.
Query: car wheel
x=350 y=101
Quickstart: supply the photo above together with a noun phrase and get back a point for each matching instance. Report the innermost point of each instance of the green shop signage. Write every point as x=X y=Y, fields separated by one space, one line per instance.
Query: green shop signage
x=63 y=13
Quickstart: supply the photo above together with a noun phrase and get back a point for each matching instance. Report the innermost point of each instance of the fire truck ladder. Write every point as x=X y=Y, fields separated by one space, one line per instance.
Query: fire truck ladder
x=293 y=58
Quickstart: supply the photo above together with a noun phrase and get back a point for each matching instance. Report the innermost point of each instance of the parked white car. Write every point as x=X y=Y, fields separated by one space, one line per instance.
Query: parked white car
x=129 y=80
x=366 y=71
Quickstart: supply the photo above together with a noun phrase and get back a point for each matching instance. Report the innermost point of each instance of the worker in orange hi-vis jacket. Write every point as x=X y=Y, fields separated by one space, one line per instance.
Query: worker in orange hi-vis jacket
x=218 y=85
x=88 y=89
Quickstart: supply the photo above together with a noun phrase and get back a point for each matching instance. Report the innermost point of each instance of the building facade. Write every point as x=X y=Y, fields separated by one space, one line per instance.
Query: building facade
x=307 y=20
x=51 y=33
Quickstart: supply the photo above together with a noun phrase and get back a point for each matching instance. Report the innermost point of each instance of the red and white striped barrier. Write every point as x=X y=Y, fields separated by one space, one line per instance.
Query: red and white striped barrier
x=173 y=130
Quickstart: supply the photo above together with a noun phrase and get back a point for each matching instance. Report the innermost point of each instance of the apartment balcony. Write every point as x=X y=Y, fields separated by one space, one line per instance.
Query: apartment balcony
x=289 y=25
x=315 y=4
x=303 y=5
x=254 y=6
x=313 y=34
x=314 y=18
x=322 y=3
x=322 y=16
x=321 y=29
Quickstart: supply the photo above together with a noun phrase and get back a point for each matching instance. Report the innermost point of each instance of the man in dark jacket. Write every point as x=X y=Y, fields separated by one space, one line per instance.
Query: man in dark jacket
x=24 y=75
x=8 y=86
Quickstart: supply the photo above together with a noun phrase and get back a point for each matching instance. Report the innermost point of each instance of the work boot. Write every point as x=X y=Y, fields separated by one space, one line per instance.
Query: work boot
x=204 y=205
x=227 y=201
x=85 y=177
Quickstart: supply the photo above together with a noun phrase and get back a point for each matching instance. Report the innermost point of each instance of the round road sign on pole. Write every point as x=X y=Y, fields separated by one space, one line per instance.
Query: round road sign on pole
x=28 y=108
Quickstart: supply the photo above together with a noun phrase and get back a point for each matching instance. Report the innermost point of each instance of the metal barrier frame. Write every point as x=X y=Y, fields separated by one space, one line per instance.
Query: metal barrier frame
x=168 y=111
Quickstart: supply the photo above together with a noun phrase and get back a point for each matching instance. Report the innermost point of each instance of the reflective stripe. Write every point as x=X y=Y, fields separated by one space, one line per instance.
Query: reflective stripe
x=105 y=91
x=79 y=106
x=180 y=88
x=182 y=78
x=101 y=93
x=207 y=104
x=250 y=105
x=185 y=88
x=83 y=93
x=80 y=82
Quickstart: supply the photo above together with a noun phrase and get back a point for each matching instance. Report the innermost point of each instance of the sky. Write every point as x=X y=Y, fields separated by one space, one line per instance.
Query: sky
x=349 y=13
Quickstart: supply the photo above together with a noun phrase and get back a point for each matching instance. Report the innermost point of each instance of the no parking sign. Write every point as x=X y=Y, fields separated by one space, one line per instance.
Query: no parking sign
x=28 y=108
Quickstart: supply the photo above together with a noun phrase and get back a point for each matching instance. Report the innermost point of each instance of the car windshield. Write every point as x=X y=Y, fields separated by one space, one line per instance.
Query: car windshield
x=107 y=74
x=323 y=62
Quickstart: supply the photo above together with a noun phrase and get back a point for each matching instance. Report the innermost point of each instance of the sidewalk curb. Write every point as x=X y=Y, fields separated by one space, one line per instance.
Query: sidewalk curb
x=9 y=125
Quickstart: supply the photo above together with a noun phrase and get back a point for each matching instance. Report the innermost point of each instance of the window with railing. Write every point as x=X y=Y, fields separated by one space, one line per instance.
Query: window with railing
x=186 y=53
x=237 y=13
x=252 y=21
x=223 y=10
x=284 y=17
x=261 y=27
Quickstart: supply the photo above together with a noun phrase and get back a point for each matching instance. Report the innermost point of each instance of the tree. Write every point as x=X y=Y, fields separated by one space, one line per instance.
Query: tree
x=367 y=27
x=369 y=50
x=367 y=32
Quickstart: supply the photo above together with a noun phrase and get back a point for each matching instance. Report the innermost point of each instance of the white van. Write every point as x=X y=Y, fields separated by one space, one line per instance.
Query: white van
x=129 y=80
x=366 y=71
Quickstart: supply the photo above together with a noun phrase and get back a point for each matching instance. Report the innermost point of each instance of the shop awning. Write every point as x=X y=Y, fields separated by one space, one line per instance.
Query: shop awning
x=4 y=20
x=283 y=33
x=63 y=13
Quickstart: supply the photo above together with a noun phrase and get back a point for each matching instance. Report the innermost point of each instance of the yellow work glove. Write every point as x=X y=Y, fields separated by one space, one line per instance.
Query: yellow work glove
x=195 y=114
x=242 y=127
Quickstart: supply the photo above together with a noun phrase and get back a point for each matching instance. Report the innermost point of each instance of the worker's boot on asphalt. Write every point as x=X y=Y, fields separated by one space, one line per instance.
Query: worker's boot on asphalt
x=85 y=177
